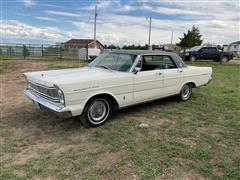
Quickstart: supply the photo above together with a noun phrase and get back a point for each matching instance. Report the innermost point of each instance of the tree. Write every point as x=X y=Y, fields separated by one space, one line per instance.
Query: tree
x=25 y=52
x=190 y=39
x=134 y=47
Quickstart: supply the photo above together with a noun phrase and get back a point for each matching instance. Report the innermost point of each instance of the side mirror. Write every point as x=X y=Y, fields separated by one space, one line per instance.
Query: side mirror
x=136 y=70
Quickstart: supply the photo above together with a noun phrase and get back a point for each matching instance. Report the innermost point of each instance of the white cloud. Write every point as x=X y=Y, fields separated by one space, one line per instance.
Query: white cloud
x=218 y=22
x=171 y=11
x=28 y=3
x=62 y=13
x=125 y=8
x=45 y=18
x=16 y=29
x=127 y=29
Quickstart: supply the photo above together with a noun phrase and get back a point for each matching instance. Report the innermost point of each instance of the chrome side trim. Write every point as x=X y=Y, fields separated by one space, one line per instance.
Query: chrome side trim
x=58 y=109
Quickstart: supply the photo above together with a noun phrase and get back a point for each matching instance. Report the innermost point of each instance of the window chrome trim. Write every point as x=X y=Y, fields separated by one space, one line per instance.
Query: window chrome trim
x=135 y=63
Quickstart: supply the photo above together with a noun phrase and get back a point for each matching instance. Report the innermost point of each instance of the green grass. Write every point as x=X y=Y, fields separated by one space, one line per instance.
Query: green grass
x=201 y=135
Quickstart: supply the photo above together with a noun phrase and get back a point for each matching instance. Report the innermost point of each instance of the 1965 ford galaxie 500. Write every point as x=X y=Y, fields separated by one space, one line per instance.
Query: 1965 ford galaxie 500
x=114 y=80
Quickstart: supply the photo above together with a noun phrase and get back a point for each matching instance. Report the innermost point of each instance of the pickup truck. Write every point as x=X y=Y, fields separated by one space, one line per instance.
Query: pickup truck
x=210 y=53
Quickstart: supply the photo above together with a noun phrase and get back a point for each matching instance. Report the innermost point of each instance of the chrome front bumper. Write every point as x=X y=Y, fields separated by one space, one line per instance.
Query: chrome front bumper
x=59 y=110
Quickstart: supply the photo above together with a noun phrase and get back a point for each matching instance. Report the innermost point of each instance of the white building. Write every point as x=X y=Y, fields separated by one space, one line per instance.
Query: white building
x=235 y=48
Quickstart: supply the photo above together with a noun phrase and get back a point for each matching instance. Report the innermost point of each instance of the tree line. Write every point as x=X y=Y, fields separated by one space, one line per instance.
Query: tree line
x=130 y=47
x=190 y=39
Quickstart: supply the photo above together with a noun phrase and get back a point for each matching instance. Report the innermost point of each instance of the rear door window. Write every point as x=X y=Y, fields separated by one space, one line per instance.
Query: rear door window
x=154 y=62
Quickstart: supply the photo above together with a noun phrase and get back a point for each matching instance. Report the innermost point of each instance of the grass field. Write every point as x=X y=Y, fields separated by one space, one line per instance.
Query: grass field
x=197 y=139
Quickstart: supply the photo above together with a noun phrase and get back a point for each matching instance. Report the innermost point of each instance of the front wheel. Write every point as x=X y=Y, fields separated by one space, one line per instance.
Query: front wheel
x=185 y=92
x=96 y=112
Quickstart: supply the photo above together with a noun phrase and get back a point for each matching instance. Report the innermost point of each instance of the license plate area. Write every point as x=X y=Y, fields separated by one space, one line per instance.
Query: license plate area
x=36 y=105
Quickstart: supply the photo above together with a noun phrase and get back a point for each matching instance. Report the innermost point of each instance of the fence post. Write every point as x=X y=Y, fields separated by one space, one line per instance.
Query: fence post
x=87 y=53
x=60 y=52
x=42 y=50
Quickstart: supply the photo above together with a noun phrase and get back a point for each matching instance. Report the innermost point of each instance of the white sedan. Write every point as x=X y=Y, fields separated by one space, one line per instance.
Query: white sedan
x=112 y=81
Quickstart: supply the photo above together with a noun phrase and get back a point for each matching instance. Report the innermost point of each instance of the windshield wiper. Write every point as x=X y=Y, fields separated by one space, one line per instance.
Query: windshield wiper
x=105 y=67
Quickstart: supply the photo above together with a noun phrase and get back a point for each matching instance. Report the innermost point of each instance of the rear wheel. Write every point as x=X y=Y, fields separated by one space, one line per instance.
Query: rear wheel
x=185 y=92
x=96 y=112
x=224 y=59
x=193 y=58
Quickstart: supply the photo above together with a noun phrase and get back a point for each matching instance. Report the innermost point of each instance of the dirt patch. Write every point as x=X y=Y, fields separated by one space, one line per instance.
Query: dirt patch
x=13 y=84
x=171 y=173
x=153 y=121
x=128 y=172
x=107 y=160
x=234 y=61
x=24 y=156
x=192 y=175
x=19 y=173
x=188 y=141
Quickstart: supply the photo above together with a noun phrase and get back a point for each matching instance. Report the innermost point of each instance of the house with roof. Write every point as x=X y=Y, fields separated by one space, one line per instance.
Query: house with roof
x=84 y=48
x=83 y=43
x=235 y=48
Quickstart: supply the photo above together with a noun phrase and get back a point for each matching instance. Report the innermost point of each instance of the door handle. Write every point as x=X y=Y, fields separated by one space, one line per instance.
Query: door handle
x=158 y=73
x=180 y=71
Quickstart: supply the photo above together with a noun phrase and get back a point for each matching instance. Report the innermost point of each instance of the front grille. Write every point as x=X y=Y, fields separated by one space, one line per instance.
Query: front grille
x=49 y=93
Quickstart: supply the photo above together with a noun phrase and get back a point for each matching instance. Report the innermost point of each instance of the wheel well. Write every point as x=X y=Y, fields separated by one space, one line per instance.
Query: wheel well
x=109 y=97
x=193 y=85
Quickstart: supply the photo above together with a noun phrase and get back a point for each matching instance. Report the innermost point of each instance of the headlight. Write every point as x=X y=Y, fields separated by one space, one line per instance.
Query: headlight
x=60 y=95
x=187 y=54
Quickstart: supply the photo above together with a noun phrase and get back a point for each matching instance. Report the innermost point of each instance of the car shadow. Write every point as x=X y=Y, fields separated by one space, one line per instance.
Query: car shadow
x=45 y=123
x=131 y=110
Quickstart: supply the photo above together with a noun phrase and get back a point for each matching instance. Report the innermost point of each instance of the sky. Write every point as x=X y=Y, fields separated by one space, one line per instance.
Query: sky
x=119 y=22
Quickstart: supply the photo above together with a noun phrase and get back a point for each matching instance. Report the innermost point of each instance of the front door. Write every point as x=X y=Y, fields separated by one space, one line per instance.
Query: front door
x=148 y=82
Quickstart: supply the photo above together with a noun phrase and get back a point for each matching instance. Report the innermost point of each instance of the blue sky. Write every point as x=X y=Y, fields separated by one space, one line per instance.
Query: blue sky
x=119 y=21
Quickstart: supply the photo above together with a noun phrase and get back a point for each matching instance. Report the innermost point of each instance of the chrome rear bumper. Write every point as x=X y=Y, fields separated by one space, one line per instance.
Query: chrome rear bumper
x=210 y=79
x=57 y=109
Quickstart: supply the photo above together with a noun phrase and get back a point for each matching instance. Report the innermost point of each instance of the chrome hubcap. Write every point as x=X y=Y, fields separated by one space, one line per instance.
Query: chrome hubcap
x=98 y=111
x=185 y=91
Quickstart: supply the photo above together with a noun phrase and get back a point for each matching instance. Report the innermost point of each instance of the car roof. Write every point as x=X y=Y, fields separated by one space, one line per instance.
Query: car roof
x=142 y=52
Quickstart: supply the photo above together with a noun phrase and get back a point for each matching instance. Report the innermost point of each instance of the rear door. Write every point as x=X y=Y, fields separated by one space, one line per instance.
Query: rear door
x=213 y=53
x=172 y=76
x=203 y=53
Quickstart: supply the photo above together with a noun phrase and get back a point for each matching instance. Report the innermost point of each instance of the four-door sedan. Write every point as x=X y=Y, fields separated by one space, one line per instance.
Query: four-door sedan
x=114 y=80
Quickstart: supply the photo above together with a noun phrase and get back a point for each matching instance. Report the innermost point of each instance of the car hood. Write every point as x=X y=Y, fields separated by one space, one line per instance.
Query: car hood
x=68 y=76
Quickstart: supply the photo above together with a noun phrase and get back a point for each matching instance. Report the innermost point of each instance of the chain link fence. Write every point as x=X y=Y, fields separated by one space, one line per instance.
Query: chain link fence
x=40 y=51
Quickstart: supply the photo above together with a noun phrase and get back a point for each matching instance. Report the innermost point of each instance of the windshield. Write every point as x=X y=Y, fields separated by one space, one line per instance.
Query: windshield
x=114 y=61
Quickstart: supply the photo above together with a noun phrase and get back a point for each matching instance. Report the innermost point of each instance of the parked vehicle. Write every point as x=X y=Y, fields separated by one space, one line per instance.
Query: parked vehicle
x=112 y=81
x=210 y=53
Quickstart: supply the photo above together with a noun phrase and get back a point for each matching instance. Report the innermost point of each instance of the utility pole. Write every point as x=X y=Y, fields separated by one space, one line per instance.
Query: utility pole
x=150 y=29
x=172 y=37
x=95 y=20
